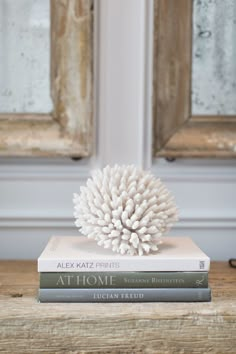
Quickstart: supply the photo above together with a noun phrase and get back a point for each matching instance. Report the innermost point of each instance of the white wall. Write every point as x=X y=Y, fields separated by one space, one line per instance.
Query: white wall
x=36 y=194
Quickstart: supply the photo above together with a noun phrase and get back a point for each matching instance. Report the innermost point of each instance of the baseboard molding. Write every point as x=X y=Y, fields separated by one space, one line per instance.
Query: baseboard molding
x=40 y=222
x=195 y=170
x=52 y=170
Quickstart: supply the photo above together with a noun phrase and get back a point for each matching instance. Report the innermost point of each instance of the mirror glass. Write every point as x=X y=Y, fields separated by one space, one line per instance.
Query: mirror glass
x=25 y=56
x=213 y=57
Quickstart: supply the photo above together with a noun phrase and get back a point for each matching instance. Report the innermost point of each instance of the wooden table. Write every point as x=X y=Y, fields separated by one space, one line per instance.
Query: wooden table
x=27 y=326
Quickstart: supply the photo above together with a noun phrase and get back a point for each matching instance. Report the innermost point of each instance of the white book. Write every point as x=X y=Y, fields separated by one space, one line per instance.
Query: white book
x=78 y=253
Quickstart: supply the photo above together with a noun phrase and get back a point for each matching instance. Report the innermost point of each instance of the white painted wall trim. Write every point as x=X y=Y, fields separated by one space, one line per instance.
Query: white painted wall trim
x=50 y=170
x=180 y=170
x=121 y=85
x=196 y=170
x=54 y=221
x=36 y=195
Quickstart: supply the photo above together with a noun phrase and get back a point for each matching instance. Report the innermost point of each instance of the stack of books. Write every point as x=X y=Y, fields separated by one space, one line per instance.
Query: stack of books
x=76 y=269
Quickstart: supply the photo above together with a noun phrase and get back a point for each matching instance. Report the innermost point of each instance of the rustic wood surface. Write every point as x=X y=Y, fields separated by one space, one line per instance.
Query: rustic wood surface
x=177 y=133
x=71 y=67
x=27 y=326
x=38 y=135
x=203 y=137
x=171 y=68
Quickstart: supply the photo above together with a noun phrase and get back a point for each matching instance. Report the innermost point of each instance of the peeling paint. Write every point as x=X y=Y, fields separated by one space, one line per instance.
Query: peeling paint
x=222 y=141
x=72 y=92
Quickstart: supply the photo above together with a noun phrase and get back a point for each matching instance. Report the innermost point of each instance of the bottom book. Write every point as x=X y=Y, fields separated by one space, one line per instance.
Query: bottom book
x=125 y=295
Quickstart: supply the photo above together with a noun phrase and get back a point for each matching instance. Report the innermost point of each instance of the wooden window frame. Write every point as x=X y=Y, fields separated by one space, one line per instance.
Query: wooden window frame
x=68 y=130
x=177 y=133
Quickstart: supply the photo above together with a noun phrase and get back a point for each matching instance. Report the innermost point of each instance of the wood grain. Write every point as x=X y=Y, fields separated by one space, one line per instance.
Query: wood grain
x=172 y=67
x=203 y=137
x=40 y=136
x=27 y=326
x=71 y=67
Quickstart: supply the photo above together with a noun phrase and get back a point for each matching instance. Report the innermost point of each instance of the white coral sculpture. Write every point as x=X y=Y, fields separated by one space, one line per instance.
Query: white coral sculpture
x=125 y=209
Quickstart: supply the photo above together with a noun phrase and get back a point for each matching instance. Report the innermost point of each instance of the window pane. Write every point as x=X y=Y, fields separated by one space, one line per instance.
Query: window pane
x=214 y=64
x=25 y=56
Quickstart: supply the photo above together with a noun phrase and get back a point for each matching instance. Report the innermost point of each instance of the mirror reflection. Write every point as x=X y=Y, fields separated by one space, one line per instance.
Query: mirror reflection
x=213 y=57
x=25 y=56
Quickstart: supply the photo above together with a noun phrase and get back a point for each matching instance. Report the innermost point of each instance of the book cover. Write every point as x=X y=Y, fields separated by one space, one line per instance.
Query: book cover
x=123 y=280
x=78 y=253
x=124 y=295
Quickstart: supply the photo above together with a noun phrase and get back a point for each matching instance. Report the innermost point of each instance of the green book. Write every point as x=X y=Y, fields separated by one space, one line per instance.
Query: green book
x=105 y=280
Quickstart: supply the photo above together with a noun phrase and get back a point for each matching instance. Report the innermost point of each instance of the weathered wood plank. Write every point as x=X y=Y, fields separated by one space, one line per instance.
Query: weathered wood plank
x=37 y=137
x=71 y=67
x=29 y=327
x=171 y=67
x=197 y=138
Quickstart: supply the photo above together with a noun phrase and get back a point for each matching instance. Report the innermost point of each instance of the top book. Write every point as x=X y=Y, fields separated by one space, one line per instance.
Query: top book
x=78 y=253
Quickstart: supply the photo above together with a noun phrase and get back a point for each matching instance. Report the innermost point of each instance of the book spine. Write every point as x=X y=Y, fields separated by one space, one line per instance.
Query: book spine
x=124 y=295
x=124 y=280
x=144 y=264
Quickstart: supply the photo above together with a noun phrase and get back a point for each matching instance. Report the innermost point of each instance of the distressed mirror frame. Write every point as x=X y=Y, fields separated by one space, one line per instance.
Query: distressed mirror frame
x=68 y=130
x=176 y=132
